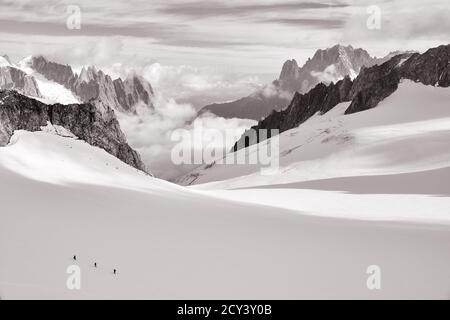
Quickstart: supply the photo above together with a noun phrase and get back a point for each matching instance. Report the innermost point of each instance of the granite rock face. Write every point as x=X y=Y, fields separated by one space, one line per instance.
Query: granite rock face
x=18 y=112
x=372 y=85
x=56 y=72
x=96 y=87
x=133 y=90
x=326 y=66
x=376 y=83
x=430 y=68
x=15 y=79
x=290 y=72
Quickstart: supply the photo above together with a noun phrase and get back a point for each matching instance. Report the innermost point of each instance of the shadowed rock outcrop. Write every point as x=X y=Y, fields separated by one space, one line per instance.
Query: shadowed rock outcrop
x=321 y=99
x=18 y=112
x=377 y=83
x=374 y=84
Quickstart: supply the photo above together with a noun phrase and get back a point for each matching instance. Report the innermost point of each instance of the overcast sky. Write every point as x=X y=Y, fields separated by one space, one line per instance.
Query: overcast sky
x=229 y=45
x=253 y=36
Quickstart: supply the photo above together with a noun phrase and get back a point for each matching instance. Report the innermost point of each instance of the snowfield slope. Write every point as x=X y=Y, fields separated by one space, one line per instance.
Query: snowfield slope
x=390 y=163
x=62 y=197
x=407 y=132
x=51 y=91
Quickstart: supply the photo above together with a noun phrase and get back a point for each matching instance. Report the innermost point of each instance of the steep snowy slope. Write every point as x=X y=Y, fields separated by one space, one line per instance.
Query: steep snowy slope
x=51 y=91
x=12 y=77
x=53 y=156
x=61 y=197
x=408 y=132
x=54 y=92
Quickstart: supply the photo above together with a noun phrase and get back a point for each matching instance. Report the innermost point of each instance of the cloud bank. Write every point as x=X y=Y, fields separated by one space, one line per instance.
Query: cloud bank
x=150 y=133
x=201 y=86
x=244 y=36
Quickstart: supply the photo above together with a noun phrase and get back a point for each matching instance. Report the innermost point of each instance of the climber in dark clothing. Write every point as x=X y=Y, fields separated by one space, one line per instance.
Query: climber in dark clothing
x=115 y=271
x=75 y=258
x=95 y=264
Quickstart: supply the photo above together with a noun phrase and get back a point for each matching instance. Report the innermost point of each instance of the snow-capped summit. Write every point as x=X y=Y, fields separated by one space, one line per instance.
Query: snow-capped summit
x=290 y=71
x=13 y=78
x=51 y=91
x=93 y=85
x=87 y=74
x=58 y=83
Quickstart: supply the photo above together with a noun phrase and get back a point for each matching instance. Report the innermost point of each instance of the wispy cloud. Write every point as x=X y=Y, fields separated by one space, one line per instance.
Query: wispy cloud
x=204 y=43
x=150 y=133
x=312 y=23
x=214 y=9
x=51 y=28
x=242 y=35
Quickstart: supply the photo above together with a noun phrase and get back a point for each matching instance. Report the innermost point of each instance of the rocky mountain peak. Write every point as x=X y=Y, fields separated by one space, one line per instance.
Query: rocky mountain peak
x=326 y=66
x=93 y=85
x=87 y=74
x=59 y=73
x=290 y=70
x=331 y=53
x=15 y=79
x=132 y=90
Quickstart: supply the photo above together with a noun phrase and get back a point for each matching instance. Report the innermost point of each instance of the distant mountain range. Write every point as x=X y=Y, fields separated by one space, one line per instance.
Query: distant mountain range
x=332 y=76
x=372 y=85
x=14 y=78
x=326 y=66
x=91 y=85
x=388 y=117
x=36 y=92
